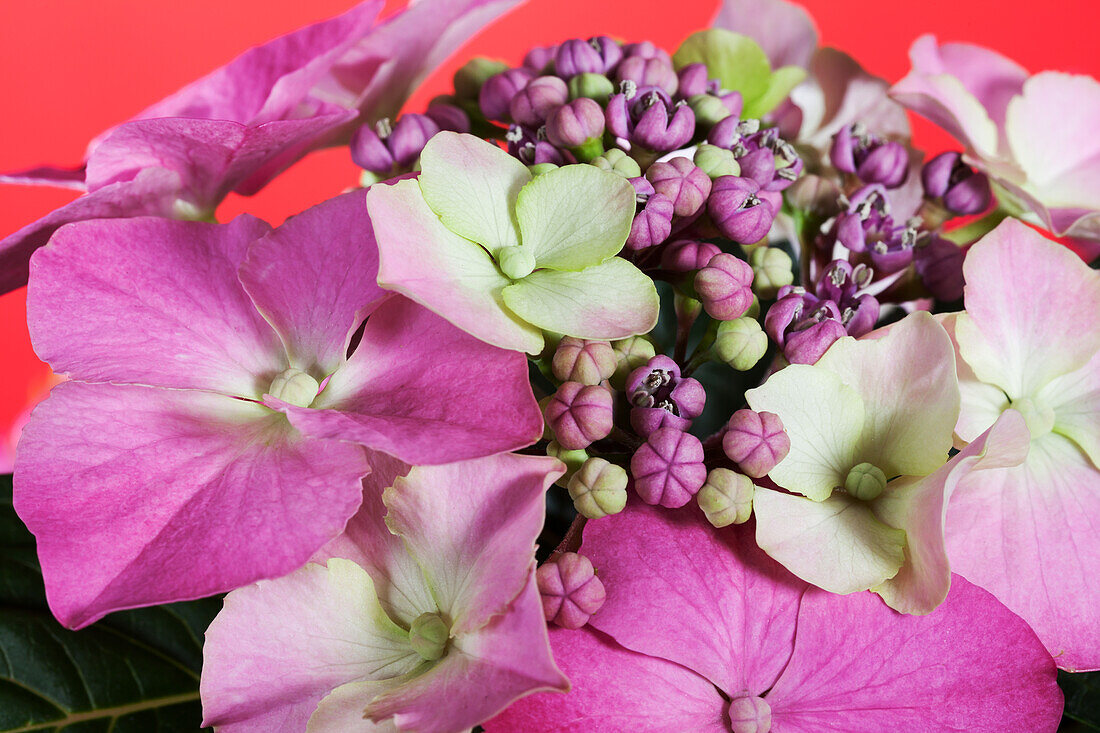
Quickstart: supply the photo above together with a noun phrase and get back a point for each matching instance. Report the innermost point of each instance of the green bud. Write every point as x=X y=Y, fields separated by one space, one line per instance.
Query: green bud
x=687 y=308
x=617 y=161
x=294 y=386
x=741 y=343
x=428 y=636
x=772 y=268
x=709 y=110
x=865 y=482
x=588 y=150
x=573 y=460
x=516 y=262
x=598 y=488
x=726 y=497
x=716 y=161
x=754 y=309
x=468 y=79
x=593 y=86
x=630 y=353
x=539 y=168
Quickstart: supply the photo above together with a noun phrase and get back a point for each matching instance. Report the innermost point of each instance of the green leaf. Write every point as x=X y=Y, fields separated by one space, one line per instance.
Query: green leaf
x=133 y=672
x=780 y=84
x=1082 y=692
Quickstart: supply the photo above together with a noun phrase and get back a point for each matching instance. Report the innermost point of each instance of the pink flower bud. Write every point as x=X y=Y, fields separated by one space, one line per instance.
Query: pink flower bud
x=750 y=714
x=682 y=181
x=534 y=103
x=738 y=210
x=580 y=360
x=652 y=224
x=686 y=255
x=755 y=441
x=580 y=414
x=668 y=469
x=649 y=72
x=496 y=93
x=575 y=123
x=725 y=287
x=570 y=590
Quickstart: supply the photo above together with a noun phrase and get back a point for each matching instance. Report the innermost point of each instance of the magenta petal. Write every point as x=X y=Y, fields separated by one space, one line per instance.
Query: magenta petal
x=48 y=176
x=472 y=527
x=154 y=302
x=314 y=296
x=425 y=392
x=707 y=599
x=152 y=192
x=139 y=495
x=615 y=690
x=483 y=672
x=859 y=667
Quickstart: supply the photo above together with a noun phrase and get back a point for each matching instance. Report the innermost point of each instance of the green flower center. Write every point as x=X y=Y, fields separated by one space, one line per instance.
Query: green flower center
x=428 y=636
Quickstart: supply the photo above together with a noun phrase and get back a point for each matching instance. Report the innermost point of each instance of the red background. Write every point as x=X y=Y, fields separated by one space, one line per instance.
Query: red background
x=72 y=69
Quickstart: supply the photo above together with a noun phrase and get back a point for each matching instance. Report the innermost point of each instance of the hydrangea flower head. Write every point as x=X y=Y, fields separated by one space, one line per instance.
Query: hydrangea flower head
x=427 y=617
x=870 y=427
x=504 y=255
x=208 y=436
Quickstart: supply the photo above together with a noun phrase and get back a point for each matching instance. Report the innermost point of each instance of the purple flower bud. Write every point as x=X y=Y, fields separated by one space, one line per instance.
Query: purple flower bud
x=855 y=150
x=725 y=287
x=449 y=117
x=662 y=398
x=570 y=590
x=939 y=265
x=738 y=212
x=538 y=58
x=369 y=152
x=734 y=103
x=687 y=185
x=649 y=118
x=409 y=136
x=755 y=441
x=646 y=50
x=580 y=360
x=668 y=469
x=610 y=51
x=524 y=144
x=694 y=79
x=810 y=344
x=686 y=255
x=642 y=187
x=577 y=57
x=963 y=189
x=937 y=173
x=580 y=414
x=653 y=224
x=750 y=714
x=651 y=72
x=574 y=124
x=469 y=79
x=759 y=165
x=495 y=97
x=534 y=103
x=725 y=133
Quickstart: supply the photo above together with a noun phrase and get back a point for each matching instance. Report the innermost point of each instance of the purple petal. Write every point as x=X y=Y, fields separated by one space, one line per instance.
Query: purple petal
x=48 y=176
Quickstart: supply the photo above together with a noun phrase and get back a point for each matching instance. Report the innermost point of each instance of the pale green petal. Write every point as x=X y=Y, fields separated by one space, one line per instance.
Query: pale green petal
x=823 y=418
x=575 y=216
x=451 y=276
x=735 y=60
x=608 y=301
x=909 y=390
x=836 y=544
x=780 y=84
x=472 y=185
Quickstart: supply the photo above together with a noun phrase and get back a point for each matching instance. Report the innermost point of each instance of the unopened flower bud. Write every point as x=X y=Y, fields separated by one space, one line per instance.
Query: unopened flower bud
x=726 y=497
x=651 y=72
x=715 y=161
x=755 y=441
x=963 y=189
x=630 y=353
x=810 y=344
x=495 y=97
x=516 y=262
x=865 y=481
x=539 y=58
x=295 y=387
x=741 y=343
x=593 y=86
x=617 y=161
x=772 y=269
x=580 y=414
x=738 y=212
x=725 y=287
x=369 y=150
x=887 y=164
x=653 y=224
x=449 y=116
x=660 y=128
x=683 y=182
x=428 y=636
x=759 y=165
x=668 y=469
x=578 y=126
x=686 y=255
x=573 y=460
x=469 y=79
x=709 y=110
x=570 y=590
x=584 y=361
x=576 y=56
x=694 y=79
x=533 y=104
x=598 y=488
x=750 y=714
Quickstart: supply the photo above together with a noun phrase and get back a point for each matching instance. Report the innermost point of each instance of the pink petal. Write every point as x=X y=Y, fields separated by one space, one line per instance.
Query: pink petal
x=472 y=526
x=152 y=192
x=614 y=690
x=425 y=392
x=154 y=302
x=314 y=296
x=482 y=673
x=48 y=176
x=784 y=30
x=707 y=599
x=140 y=496
x=981 y=404
x=1030 y=535
x=1017 y=284
x=1075 y=400
x=858 y=666
x=317 y=626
